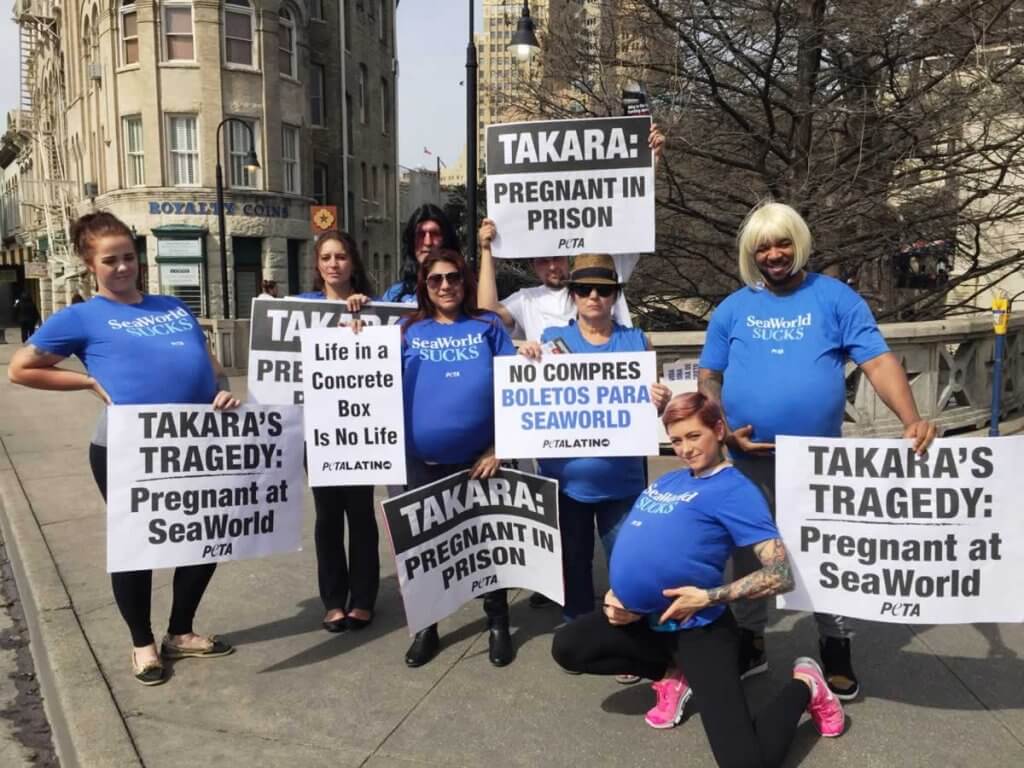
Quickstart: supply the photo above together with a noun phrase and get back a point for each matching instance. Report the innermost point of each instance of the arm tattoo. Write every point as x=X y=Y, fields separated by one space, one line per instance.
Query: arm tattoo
x=709 y=384
x=774 y=578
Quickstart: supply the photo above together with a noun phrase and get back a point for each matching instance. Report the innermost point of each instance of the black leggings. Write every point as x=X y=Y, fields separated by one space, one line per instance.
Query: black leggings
x=358 y=575
x=707 y=657
x=133 y=589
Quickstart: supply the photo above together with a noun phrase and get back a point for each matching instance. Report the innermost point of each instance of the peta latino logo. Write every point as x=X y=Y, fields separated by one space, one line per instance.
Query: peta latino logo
x=779 y=328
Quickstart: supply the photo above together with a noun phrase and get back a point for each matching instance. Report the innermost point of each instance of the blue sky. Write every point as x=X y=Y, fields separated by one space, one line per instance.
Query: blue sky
x=432 y=38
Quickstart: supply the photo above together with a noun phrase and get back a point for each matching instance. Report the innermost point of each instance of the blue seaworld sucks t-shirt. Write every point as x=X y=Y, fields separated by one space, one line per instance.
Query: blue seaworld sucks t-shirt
x=598 y=478
x=448 y=383
x=784 y=356
x=397 y=293
x=680 y=533
x=152 y=352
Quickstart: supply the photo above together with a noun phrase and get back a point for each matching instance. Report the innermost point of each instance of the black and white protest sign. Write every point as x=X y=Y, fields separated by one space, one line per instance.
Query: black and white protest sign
x=680 y=376
x=187 y=484
x=276 y=325
x=561 y=187
x=355 y=424
x=875 y=531
x=457 y=538
x=575 y=405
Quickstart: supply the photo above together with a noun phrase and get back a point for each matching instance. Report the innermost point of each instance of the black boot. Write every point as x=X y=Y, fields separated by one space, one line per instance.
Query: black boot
x=839 y=674
x=425 y=646
x=500 y=649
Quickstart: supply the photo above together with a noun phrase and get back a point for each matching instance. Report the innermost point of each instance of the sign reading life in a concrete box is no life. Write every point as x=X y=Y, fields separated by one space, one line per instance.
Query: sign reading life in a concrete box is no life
x=562 y=187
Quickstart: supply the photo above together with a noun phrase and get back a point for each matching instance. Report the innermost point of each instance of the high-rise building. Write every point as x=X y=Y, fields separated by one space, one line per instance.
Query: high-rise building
x=126 y=111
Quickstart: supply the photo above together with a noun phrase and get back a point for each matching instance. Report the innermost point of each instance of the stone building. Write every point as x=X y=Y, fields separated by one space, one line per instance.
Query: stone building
x=124 y=105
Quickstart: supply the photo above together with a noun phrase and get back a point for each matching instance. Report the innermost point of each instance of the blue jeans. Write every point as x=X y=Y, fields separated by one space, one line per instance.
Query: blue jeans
x=576 y=522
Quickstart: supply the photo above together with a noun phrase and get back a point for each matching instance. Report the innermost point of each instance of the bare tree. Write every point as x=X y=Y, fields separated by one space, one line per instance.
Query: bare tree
x=894 y=127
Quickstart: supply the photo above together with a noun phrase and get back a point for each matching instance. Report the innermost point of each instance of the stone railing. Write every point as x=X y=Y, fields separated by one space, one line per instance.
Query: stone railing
x=948 y=362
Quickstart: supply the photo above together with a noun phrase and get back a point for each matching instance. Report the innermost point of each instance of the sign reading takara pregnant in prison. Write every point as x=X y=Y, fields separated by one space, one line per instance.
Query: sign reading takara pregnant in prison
x=355 y=425
x=275 y=348
x=875 y=531
x=188 y=484
x=575 y=405
x=561 y=187
x=457 y=538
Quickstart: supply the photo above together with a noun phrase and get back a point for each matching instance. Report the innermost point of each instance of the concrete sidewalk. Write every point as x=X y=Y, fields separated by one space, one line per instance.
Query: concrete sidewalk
x=295 y=695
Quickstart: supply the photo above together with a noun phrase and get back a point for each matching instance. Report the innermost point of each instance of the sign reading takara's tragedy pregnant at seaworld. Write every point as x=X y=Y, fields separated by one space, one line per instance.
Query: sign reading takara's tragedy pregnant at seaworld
x=575 y=405
x=457 y=538
x=275 y=345
x=355 y=422
x=188 y=484
x=562 y=187
x=875 y=531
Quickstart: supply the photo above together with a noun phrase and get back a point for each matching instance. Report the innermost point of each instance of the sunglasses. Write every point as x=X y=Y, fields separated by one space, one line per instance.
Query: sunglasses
x=435 y=280
x=583 y=290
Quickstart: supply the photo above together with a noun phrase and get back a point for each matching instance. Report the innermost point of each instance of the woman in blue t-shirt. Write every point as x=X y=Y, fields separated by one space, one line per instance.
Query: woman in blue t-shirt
x=665 y=616
x=138 y=349
x=600 y=489
x=448 y=351
x=348 y=586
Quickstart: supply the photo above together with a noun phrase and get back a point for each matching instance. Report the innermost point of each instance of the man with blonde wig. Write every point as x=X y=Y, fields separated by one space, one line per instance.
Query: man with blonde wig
x=774 y=357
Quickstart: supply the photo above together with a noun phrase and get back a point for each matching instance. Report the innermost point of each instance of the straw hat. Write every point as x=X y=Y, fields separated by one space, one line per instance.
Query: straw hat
x=594 y=269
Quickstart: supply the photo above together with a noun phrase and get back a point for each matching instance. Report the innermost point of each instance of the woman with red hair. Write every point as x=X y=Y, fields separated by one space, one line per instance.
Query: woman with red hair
x=665 y=616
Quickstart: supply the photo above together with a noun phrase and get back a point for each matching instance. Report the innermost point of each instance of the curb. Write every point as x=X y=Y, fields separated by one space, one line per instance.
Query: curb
x=88 y=729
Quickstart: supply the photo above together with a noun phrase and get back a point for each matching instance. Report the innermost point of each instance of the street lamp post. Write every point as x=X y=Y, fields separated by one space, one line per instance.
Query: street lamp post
x=252 y=164
x=524 y=44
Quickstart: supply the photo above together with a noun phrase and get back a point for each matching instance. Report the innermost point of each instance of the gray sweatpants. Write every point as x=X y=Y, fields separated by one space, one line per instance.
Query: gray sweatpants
x=753 y=614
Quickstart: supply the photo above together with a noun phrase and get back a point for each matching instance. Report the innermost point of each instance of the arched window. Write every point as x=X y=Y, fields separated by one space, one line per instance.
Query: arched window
x=129 y=33
x=286 y=48
x=239 y=32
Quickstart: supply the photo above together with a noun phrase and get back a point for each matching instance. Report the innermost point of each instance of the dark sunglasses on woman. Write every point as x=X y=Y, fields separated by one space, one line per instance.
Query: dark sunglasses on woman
x=453 y=279
x=583 y=290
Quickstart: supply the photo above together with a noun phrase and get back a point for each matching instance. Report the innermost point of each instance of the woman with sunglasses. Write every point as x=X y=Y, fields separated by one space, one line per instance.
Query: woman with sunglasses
x=448 y=351
x=348 y=585
x=600 y=489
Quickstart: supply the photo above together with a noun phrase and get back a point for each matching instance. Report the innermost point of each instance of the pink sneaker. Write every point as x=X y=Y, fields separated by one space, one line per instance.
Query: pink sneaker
x=673 y=693
x=824 y=708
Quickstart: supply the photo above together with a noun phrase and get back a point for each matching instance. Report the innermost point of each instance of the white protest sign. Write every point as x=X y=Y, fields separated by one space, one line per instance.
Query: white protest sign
x=456 y=539
x=575 y=405
x=275 y=350
x=187 y=484
x=562 y=187
x=355 y=423
x=876 y=532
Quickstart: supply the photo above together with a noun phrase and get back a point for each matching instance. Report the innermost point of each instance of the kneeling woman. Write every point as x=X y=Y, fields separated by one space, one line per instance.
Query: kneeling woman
x=665 y=616
x=448 y=351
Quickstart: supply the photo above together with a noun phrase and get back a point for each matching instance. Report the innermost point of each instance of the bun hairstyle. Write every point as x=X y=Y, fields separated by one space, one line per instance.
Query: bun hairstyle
x=92 y=226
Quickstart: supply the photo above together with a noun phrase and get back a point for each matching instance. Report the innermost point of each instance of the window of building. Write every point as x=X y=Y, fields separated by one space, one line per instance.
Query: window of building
x=183 y=146
x=387 y=190
x=362 y=94
x=320 y=184
x=382 y=21
x=135 y=165
x=348 y=123
x=239 y=32
x=290 y=158
x=374 y=190
x=316 y=10
x=364 y=187
x=178 y=35
x=129 y=33
x=345 y=5
x=286 y=43
x=316 y=94
x=239 y=146
x=385 y=107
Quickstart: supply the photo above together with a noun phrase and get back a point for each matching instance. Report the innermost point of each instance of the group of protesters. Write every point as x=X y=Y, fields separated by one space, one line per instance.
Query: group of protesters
x=773 y=363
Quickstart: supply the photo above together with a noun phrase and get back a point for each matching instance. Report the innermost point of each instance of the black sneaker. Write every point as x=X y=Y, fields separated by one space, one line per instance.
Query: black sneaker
x=753 y=660
x=835 y=658
x=537 y=600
